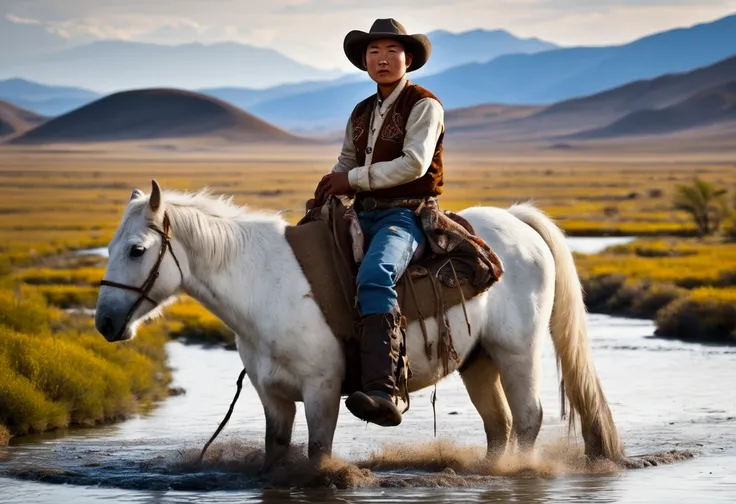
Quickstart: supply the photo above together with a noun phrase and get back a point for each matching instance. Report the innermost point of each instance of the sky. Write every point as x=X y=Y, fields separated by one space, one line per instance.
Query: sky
x=311 y=31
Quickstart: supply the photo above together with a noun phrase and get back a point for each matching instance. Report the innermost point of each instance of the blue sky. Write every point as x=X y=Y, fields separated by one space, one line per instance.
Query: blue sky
x=311 y=31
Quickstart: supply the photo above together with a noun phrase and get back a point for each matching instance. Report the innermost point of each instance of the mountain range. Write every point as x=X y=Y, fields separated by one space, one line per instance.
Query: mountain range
x=476 y=46
x=713 y=106
x=108 y=66
x=542 y=78
x=699 y=103
x=675 y=102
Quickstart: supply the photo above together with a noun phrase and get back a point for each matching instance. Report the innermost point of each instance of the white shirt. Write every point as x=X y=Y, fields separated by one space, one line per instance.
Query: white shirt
x=424 y=126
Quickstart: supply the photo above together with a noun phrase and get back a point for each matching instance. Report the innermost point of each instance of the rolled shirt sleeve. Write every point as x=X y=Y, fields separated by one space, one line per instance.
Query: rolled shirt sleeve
x=423 y=128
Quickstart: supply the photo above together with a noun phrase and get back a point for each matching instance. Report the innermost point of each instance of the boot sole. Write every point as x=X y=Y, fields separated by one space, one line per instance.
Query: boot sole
x=373 y=409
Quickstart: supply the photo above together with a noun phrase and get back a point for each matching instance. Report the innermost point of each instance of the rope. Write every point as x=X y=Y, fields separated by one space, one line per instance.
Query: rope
x=433 y=399
x=239 y=383
x=462 y=296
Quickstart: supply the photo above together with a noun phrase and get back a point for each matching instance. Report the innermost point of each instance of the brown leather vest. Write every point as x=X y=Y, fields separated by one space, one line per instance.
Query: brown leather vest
x=390 y=143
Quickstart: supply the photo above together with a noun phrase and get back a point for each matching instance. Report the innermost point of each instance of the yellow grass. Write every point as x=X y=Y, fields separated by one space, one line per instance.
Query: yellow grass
x=53 y=202
x=685 y=263
x=55 y=371
x=688 y=286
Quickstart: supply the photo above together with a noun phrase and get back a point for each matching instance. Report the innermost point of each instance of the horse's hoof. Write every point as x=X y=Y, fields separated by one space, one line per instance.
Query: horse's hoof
x=267 y=468
x=374 y=409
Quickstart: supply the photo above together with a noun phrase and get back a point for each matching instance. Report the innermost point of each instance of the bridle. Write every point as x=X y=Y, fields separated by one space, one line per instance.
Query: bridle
x=153 y=274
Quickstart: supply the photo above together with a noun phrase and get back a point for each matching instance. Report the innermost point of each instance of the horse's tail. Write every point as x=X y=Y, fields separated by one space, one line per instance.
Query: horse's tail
x=570 y=338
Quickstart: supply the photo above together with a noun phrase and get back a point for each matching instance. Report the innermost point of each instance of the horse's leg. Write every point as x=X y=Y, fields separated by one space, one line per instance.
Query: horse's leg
x=280 y=415
x=519 y=369
x=482 y=380
x=321 y=407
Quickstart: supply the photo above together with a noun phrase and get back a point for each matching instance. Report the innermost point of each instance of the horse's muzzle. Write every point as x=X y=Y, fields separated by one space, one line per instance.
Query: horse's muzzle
x=106 y=326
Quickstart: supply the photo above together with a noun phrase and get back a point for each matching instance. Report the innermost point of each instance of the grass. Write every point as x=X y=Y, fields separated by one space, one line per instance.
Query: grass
x=56 y=371
x=687 y=286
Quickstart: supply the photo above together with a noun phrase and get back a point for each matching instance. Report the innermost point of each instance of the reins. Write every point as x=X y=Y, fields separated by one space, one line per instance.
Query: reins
x=144 y=289
x=225 y=420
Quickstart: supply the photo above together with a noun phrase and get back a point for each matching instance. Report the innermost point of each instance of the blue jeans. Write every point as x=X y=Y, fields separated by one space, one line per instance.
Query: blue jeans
x=392 y=236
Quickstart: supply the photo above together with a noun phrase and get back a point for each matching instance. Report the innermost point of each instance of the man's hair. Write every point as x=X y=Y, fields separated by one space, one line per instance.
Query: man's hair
x=368 y=45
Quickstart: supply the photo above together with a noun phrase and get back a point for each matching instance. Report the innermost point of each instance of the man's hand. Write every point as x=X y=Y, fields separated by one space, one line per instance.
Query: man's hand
x=332 y=183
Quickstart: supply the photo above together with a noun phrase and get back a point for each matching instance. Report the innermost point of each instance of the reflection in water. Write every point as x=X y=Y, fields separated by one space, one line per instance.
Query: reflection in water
x=664 y=395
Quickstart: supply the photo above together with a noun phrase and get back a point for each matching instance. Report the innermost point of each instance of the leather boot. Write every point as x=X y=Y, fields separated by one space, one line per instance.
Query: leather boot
x=380 y=337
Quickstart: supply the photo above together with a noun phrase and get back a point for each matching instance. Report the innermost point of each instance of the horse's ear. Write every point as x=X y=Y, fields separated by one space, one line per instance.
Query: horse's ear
x=155 y=201
x=137 y=193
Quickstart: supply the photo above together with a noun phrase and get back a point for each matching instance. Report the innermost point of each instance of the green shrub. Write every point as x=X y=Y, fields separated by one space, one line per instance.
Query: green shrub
x=23 y=408
x=56 y=370
x=704 y=314
x=23 y=311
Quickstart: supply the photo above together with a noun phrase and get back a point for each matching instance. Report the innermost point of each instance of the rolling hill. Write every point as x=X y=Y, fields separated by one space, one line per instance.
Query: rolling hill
x=476 y=46
x=43 y=99
x=541 y=78
x=598 y=110
x=155 y=114
x=706 y=108
x=15 y=120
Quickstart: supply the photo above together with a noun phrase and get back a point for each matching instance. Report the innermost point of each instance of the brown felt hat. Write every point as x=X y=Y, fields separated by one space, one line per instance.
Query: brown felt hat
x=356 y=42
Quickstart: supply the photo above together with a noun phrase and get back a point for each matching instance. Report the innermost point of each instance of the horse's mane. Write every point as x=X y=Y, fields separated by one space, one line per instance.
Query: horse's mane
x=214 y=227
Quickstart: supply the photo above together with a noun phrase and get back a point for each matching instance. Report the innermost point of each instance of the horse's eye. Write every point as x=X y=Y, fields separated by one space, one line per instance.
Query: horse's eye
x=137 y=250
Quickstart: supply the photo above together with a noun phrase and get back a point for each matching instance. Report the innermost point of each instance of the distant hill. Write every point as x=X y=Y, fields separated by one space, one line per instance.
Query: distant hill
x=601 y=109
x=108 y=66
x=706 y=108
x=476 y=46
x=448 y=50
x=481 y=117
x=248 y=97
x=155 y=114
x=669 y=103
x=15 y=120
x=541 y=78
x=43 y=99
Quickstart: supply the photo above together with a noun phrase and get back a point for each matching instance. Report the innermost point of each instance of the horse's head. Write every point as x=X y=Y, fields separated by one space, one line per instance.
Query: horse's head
x=143 y=273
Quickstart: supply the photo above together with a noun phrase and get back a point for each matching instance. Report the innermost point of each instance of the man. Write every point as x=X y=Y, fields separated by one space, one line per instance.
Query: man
x=391 y=160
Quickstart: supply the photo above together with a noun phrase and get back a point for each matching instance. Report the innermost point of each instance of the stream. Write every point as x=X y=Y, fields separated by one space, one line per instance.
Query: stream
x=665 y=395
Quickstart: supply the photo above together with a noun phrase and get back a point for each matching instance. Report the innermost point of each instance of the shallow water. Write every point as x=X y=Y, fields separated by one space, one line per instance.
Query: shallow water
x=664 y=395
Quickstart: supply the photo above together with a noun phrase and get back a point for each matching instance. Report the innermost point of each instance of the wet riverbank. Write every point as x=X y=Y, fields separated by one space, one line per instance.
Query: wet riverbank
x=665 y=395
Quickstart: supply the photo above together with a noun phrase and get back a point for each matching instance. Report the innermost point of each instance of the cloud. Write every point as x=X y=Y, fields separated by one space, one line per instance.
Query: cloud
x=21 y=20
x=311 y=31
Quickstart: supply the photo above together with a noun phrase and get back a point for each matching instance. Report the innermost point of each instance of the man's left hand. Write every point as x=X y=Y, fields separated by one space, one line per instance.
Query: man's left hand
x=333 y=183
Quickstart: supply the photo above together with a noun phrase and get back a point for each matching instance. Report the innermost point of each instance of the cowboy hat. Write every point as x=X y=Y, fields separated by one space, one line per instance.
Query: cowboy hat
x=356 y=41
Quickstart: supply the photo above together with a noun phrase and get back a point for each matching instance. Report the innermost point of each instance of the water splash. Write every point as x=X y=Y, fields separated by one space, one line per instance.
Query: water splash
x=237 y=466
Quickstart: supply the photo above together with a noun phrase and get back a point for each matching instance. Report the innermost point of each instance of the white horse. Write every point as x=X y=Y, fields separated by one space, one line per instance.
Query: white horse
x=238 y=264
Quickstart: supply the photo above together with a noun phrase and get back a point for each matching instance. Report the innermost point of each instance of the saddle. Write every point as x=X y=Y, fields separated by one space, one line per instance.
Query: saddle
x=452 y=267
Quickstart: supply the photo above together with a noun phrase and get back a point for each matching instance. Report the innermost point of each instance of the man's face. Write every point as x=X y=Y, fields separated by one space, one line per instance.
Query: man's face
x=386 y=61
